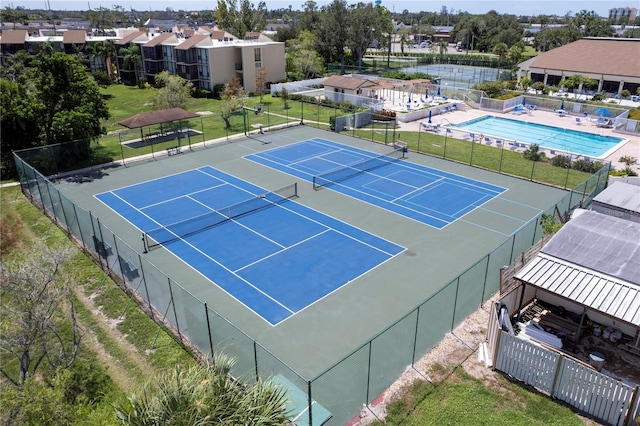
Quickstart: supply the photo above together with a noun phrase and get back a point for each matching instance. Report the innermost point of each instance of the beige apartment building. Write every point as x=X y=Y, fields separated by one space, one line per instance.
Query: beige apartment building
x=206 y=56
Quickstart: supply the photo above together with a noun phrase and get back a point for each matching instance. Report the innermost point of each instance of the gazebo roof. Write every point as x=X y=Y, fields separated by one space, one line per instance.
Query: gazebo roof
x=157 y=117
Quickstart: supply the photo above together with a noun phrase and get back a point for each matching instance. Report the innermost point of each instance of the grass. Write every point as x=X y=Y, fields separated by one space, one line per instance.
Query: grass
x=462 y=399
x=122 y=347
x=126 y=101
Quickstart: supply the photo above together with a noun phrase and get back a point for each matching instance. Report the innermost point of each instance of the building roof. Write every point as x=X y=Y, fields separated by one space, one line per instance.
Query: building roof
x=74 y=37
x=346 y=82
x=157 y=117
x=593 y=260
x=158 y=39
x=14 y=37
x=608 y=56
x=130 y=37
x=192 y=41
x=621 y=195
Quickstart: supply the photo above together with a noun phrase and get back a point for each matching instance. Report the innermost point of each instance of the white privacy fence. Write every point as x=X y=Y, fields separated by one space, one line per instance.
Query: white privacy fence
x=580 y=386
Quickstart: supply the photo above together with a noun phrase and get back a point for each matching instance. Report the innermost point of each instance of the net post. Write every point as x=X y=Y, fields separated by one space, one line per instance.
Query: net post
x=145 y=245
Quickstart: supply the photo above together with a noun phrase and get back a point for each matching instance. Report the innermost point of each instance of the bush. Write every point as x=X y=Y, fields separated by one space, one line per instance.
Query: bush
x=202 y=93
x=561 y=161
x=102 y=78
x=533 y=153
x=599 y=97
x=583 y=165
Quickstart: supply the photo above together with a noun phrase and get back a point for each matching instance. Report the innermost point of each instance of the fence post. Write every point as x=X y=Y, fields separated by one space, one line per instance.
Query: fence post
x=455 y=303
x=368 y=374
x=415 y=337
x=309 y=402
x=206 y=314
x=175 y=314
x=552 y=391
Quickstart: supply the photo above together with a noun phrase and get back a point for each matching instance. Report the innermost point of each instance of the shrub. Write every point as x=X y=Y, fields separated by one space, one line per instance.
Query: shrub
x=533 y=153
x=583 y=165
x=561 y=161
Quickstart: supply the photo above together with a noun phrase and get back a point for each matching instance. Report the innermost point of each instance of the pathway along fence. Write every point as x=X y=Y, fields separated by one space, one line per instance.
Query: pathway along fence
x=343 y=388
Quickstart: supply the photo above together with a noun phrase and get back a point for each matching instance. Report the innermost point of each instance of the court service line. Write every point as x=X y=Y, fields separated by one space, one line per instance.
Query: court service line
x=228 y=270
x=183 y=195
x=283 y=249
x=231 y=219
x=496 y=212
x=477 y=225
x=416 y=189
x=345 y=234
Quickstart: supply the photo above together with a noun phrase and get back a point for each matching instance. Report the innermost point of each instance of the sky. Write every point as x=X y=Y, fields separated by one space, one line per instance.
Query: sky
x=514 y=7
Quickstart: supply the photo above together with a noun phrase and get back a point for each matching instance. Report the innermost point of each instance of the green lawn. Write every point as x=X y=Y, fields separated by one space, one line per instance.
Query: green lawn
x=464 y=400
x=126 y=101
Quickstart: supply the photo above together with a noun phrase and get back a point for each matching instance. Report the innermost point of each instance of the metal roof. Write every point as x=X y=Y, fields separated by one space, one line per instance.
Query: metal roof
x=622 y=195
x=601 y=243
x=594 y=260
x=606 y=294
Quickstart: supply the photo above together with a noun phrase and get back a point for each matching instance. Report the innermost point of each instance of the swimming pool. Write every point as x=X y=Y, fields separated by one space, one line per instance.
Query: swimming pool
x=553 y=138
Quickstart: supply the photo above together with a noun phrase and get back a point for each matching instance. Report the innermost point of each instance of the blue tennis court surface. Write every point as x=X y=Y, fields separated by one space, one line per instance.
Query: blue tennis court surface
x=275 y=260
x=431 y=196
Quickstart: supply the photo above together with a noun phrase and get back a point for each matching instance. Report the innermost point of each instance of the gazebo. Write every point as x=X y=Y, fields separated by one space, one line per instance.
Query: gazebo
x=146 y=119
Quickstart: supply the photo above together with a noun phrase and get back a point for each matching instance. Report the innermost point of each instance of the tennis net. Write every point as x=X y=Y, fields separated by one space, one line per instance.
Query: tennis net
x=185 y=228
x=353 y=169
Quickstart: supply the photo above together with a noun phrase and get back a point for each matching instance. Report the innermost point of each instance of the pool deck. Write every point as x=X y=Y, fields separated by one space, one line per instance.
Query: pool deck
x=630 y=148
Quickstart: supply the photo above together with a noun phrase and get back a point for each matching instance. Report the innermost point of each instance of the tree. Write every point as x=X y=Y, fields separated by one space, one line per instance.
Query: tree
x=173 y=92
x=20 y=113
x=572 y=83
x=303 y=61
x=72 y=105
x=132 y=57
x=365 y=23
x=333 y=32
x=525 y=82
x=284 y=95
x=533 y=153
x=232 y=99
x=261 y=82
x=37 y=319
x=242 y=18
x=204 y=395
x=443 y=47
x=500 y=50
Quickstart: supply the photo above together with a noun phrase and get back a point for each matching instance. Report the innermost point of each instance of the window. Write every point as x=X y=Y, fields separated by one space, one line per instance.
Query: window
x=257 y=54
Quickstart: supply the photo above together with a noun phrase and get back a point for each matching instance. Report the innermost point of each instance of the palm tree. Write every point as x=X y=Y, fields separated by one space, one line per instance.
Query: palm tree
x=131 y=56
x=444 y=47
x=96 y=52
x=110 y=48
x=204 y=395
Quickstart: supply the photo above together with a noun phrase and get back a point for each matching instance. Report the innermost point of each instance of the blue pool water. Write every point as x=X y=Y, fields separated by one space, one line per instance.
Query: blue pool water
x=550 y=137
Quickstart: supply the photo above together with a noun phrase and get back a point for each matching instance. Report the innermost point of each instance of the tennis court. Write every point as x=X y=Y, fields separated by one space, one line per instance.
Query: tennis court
x=428 y=195
x=257 y=245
